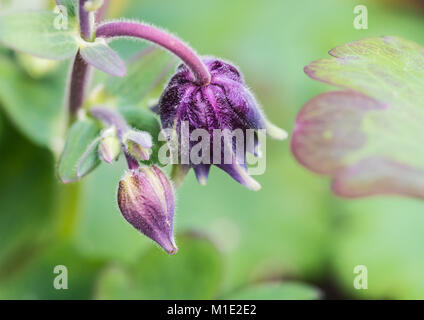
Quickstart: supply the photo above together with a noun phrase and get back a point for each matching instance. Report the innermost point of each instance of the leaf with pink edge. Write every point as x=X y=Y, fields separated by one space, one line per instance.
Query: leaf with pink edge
x=366 y=136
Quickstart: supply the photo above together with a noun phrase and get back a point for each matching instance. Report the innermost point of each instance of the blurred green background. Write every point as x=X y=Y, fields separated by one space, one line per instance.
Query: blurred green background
x=291 y=240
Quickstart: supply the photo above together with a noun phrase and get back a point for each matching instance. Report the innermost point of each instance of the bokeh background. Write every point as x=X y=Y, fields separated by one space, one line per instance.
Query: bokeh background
x=291 y=240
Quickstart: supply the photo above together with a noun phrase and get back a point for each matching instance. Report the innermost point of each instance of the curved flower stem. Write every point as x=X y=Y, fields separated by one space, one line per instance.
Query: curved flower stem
x=78 y=82
x=85 y=21
x=161 y=38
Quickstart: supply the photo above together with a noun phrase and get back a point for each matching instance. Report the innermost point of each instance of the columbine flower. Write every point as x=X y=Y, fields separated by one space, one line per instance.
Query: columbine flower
x=223 y=103
x=147 y=201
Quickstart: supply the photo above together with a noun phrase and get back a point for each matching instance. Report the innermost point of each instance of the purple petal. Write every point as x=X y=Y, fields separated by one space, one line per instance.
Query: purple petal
x=239 y=173
x=202 y=173
x=224 y=105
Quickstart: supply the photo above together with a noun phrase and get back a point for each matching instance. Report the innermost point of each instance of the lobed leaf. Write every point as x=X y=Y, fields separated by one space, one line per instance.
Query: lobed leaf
x=367 y=136
x=39 y=34
x=80 y=154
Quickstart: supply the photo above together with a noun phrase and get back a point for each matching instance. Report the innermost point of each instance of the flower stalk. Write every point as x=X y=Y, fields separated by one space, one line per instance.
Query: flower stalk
x=86 y=21
x=171 y=43
x=79 y=78
x=80 y=68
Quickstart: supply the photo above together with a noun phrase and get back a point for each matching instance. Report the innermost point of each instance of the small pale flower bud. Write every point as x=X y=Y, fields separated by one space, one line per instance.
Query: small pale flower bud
x=109 y=148
x=147 y=201
x=138 y=144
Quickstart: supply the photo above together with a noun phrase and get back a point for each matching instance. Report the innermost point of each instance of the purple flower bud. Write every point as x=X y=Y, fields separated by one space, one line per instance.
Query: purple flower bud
x=225 y=103
x=147 y=201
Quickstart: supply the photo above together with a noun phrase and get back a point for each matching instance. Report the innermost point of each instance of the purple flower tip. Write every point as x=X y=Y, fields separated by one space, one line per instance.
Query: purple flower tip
x=224 y=104
x=147 y=201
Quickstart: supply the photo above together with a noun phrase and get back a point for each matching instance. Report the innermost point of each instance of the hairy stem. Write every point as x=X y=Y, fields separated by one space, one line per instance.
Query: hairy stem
x=80 y=68
x=85 y=22
x=161 y=38
x=78 y=82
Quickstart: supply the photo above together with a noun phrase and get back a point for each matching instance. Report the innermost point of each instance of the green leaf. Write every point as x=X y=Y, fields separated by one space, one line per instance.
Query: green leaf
x=35 y=280
x=71 y=6
x=26 y=207
x=80 y=154
x=367 y=138
x=276 y=291
x=195 y=272
x=38 y=112
x=37 y=68
x=146 y=73
x=22 y=5
x=37 y=33
x=145 y=120
x=114 y=283
x=102 y=57
x=386 y=236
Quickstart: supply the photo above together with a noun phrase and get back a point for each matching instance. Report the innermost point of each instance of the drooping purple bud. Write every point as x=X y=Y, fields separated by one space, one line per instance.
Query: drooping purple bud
x=223 y=104
x=147 y=201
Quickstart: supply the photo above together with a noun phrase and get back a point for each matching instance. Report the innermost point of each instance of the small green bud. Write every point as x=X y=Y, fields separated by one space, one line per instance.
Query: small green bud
x=110 y=146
